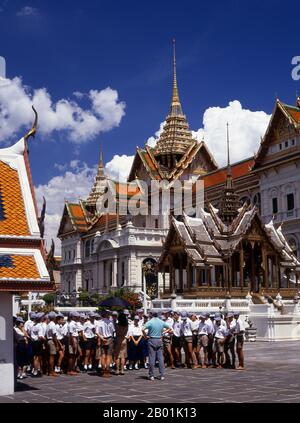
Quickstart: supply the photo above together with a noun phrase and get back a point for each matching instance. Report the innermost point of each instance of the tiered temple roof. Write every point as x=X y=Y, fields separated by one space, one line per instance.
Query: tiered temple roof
x=22 y=254
x=207 y=241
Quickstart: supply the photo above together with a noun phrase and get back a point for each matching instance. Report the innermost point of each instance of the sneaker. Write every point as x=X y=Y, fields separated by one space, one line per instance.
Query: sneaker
x=151 y=377
x=90 y=366
x=130 y=367
x=161 y=378
x=146 y=366
x=136 y=367
x=85 y=367
x=125 y=367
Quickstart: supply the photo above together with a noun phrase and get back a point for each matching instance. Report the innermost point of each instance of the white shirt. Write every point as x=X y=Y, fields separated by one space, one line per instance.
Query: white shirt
x=204 y=328
x=240 y=326
x=210 y=325
x=134 y=330
x=44 y=328
x=79 y=326
x=51 y=330
x=105 y=328
x=176 y=327
x=28 y=325
x=19 y=335
x=186 y=329
x=89 y=329
x=232 y=326
x=36 y=332
x=73 y=329
x=195 y=325
x=141 y=322
x=61 y=331
x=220 y=332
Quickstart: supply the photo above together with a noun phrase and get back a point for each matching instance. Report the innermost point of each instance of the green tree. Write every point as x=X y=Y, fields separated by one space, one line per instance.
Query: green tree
x=49 y=298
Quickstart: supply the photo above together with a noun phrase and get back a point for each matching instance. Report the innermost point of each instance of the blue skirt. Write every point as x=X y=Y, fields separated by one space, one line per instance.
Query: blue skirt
x=139 y=352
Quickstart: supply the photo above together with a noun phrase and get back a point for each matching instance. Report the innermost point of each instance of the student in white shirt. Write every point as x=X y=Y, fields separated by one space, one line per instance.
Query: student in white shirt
x=240 y=331
x=135 y=352
x=210 y=324
x=203 y=331
x=21 y=343
x=51 y=342
x=218 y=345
x=88 y=334
x=37 y=339
x=187 y=337
x=195 y=325
x=105 y=331
x=61 y=333
x=167 y=340
x=176 y=339
x=229 y=345
x=73 y=342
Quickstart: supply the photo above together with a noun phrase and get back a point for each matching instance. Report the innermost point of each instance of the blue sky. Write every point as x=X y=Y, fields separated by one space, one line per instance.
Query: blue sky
x=234 y=50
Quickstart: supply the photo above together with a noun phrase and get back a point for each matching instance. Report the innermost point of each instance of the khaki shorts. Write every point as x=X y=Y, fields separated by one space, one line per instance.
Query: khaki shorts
x=51 y=347
x=203 y=341
x=188 y=339
x=73 y=346
x=218 y=345
x=107 y=346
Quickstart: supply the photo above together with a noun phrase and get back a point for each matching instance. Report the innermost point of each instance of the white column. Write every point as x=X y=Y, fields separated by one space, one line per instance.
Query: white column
x=7 y=378
x=100 y=281
x=115 y=273
x=126 y=271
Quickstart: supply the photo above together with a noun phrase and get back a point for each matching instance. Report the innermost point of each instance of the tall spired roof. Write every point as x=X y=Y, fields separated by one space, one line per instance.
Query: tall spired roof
x=229 y=202
x=99 y=185
x=176 y=137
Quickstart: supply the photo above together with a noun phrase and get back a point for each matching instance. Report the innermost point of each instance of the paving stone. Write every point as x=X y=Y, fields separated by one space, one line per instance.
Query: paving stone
x=272 y=375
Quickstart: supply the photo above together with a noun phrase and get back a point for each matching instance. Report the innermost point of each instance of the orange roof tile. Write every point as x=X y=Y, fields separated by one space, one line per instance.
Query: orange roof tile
x=24 y=267
x=15 y=220
x=77 y=215
x=238 y=170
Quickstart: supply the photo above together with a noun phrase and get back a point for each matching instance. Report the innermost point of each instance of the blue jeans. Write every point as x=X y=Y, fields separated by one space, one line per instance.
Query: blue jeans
x=156 y=352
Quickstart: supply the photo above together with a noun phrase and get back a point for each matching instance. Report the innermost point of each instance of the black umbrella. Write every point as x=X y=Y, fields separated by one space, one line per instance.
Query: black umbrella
x=114 y=302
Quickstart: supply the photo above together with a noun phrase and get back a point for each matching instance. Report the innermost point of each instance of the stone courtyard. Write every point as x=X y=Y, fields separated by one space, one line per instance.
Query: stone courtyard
x=272 y=374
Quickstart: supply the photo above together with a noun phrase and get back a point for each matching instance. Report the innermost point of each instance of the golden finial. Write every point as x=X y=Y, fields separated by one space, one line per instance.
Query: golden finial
x=228 y=157
x=175 y=97
x=32 y=131
x=101 y=159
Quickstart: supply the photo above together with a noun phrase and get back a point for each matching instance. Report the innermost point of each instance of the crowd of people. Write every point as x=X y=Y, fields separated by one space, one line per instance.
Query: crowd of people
x=112 y=342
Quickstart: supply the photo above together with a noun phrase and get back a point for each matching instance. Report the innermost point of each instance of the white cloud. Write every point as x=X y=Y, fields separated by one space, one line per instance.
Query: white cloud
x=245 y=129
x=28 y=11
x=119 y=167
x=80 y=125
x=71 y=186
x=151 y=141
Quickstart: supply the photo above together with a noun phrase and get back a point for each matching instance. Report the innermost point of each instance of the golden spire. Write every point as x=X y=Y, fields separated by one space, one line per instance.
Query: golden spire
x=175 y=104
x=175 y=97
x=101 y=158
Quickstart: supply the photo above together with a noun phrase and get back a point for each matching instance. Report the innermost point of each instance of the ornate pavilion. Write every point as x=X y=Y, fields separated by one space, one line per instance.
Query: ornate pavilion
x=228 y=251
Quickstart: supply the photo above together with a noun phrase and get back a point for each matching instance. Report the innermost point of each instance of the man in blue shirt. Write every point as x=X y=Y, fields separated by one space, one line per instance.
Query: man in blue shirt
x=155 y=327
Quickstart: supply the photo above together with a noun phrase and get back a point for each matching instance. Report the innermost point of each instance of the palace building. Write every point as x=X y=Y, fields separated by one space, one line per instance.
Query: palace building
x=22 y=253
x=104 y=251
